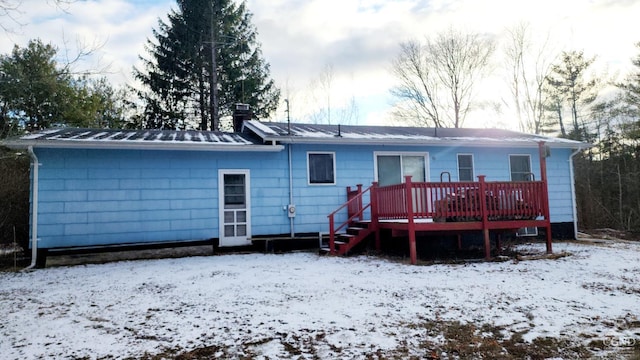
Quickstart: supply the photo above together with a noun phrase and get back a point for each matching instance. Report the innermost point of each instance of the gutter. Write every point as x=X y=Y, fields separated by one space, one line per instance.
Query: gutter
x=290 y=192
x=34 y=209
x=574 y=204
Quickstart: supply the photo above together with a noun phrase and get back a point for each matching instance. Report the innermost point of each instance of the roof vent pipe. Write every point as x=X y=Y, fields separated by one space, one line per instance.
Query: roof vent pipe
x=288 y=118
x=339 y=132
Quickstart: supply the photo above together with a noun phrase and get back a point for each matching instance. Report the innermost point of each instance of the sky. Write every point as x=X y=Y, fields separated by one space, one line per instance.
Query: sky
x=356 y=39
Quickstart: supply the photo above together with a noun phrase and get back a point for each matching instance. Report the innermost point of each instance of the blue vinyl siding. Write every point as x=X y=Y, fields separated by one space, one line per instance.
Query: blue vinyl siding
x=102 y=197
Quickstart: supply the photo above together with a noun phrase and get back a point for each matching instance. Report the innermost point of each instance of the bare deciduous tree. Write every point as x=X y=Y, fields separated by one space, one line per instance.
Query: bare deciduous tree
x=324 y=110
x=10 y=9
x=437 y=79
x=528 y=65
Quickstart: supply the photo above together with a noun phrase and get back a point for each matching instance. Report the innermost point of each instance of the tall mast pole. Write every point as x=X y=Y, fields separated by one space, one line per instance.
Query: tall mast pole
x=214 y=73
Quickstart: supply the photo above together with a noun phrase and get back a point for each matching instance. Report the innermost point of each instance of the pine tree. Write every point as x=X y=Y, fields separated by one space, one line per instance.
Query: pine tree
x=568 y=81
x=181 y=88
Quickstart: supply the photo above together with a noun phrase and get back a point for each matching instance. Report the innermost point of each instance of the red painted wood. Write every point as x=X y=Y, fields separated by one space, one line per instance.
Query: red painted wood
x=409 y=199
x=450 y=207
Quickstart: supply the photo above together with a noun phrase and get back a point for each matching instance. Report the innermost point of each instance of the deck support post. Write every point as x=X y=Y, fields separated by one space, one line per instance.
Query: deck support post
x=408 y=197
x=482 y=198
x=459 y=236
x=542 y=150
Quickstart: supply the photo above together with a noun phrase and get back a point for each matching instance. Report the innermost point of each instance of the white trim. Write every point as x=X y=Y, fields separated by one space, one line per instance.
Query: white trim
x=333 y=158
x=526 y=232
x=235 y=241
x=473 y=165
x=427 y=175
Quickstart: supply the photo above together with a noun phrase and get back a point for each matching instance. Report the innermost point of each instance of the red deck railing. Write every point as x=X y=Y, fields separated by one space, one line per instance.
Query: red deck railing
x=355 y=212
x=453 y=206
x=496 y=205
x=461 y=201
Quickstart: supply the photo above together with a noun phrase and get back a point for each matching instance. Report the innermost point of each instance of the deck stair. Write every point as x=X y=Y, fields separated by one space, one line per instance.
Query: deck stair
x=344 y=242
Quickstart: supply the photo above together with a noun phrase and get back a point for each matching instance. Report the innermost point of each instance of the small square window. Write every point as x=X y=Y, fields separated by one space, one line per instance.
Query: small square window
x=321 y=168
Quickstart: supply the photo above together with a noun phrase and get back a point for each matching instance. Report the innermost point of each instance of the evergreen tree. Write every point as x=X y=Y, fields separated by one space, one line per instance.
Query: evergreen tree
x=32 y=86
x=181 y=87
x=567 y=80
x=37 y=92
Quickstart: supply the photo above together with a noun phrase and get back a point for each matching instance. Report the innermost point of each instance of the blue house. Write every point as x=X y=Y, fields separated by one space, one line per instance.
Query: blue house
x=129 y=187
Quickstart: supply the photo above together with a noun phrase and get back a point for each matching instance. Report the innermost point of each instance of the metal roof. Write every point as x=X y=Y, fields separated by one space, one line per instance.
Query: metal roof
x=266 y=136
x=141 y=139
x=398 y=135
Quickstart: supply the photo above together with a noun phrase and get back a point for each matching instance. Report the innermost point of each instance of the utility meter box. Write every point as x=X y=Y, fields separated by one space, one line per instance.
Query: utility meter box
x=291 y=210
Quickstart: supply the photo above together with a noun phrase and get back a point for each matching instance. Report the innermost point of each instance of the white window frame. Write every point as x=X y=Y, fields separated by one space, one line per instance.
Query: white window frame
x=473 y=167
x=333 y=158
x=425 y=155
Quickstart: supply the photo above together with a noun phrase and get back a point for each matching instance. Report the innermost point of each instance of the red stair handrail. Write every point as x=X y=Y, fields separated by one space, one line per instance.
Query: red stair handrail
x=356 y=200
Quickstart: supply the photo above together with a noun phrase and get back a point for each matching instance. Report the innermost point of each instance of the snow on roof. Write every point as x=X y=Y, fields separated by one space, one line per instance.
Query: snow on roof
x=345 y=134
x=156 y=139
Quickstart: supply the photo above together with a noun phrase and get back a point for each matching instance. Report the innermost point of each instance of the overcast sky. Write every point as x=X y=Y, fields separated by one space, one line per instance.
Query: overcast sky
x=357 y=39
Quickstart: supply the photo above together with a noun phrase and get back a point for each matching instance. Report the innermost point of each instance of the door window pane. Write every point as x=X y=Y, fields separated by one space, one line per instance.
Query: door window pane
x=414 y=166
x=241 y=216
x=389 y=170
x=393 y=168
x=321 y=169
x=234 y=190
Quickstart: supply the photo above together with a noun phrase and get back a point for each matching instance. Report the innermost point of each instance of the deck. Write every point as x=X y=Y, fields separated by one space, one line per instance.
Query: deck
x=452 y=207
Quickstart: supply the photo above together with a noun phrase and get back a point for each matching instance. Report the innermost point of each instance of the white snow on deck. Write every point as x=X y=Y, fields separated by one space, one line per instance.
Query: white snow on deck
x=358 y=304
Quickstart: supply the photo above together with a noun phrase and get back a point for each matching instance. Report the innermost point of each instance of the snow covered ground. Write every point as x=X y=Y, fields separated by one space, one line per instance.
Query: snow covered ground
x=263 y=305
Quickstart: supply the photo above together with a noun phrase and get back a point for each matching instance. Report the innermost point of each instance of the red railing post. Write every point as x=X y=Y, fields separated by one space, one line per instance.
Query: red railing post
x=485 y=220
x=410 y=221
x=332 y=235
x=373 y=200
x=359 y=201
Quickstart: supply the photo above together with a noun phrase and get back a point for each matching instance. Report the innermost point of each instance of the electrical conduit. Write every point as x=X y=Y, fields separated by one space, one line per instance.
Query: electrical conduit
x=34 y=209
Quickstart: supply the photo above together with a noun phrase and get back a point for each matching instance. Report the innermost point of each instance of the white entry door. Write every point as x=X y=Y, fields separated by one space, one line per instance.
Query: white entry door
x=235 y=207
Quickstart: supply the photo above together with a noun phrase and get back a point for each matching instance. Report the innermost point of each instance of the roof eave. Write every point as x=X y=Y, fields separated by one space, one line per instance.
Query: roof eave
x=23 y=144
x=421 y=142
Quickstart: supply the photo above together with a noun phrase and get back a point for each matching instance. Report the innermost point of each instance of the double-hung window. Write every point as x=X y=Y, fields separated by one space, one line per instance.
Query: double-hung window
x=465 y=167
x=520 y=167
x=321 y=168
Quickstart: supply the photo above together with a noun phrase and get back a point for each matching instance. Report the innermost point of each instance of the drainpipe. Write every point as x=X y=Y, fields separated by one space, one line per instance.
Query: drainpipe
x=290 y=191
x=34 y=209
x=574 y=207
